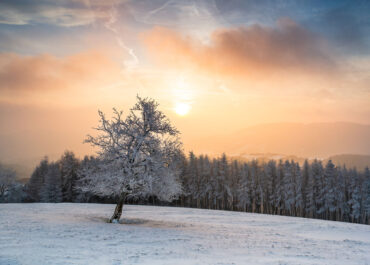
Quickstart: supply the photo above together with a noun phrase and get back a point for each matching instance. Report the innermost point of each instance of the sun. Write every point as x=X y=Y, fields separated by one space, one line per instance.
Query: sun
x=182 y=108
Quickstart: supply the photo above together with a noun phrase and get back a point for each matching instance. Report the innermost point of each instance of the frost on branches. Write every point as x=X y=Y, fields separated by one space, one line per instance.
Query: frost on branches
x=138 y=157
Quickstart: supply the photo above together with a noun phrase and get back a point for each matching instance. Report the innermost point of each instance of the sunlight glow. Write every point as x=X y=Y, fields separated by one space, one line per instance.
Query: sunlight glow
x=182 y=108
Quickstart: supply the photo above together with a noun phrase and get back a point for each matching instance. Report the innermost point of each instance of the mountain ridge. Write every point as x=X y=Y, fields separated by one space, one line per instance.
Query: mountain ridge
x=319 y=140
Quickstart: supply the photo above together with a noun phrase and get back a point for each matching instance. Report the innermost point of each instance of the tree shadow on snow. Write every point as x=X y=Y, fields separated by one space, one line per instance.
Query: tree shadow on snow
x=144 y=222
x=153 y=223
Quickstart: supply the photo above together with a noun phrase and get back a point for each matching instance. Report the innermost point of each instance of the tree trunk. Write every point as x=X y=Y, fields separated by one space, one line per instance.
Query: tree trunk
x=118 y=210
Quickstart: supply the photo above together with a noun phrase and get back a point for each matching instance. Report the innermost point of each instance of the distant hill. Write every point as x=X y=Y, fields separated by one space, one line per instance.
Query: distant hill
x=23 y=172
x=263 y=158
x=312 y=140
x=357 y=161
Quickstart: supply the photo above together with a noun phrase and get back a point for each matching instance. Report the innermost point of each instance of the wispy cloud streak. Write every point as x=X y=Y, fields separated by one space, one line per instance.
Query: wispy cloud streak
x=110 y=25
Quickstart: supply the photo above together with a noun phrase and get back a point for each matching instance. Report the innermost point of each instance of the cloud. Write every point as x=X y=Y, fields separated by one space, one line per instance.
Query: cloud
x=251 y=52
x=60 y=13
x=175 y=13
x=46 y=72
x=343 y=23
x=346 y=25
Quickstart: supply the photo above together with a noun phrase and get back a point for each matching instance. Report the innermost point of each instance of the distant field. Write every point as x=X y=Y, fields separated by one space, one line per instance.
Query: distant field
x=34 y=234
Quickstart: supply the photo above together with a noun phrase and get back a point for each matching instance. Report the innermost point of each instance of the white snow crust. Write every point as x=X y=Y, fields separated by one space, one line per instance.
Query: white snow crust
x=45 y=233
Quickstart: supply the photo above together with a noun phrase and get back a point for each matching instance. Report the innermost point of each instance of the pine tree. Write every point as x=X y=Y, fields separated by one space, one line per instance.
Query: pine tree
x=328 y=192
x=223 y=189
x=244 y=189
x=36 y=182
x=52 y=188
x=234 y=181
x=206 y=176
x=347 y=194
x=355 y=196
x=279 y=188
x=253 y=188
x=317 y=174
x=298 y=200
x=261 y=192
x=339 y=194
x=271 y=180
x=68 y=167
x=308 y=186
x=366 y=196
x=288 y=186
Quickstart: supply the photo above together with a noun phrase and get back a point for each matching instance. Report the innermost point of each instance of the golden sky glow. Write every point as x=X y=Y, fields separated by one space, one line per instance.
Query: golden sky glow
x=215 y=68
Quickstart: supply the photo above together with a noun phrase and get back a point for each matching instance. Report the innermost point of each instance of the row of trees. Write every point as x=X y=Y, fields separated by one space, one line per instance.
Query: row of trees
x=55 y=181
x=49 y=182
x=313 y=190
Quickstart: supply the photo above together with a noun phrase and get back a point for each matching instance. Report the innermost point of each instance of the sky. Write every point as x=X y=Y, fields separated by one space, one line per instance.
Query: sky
x=214 y=66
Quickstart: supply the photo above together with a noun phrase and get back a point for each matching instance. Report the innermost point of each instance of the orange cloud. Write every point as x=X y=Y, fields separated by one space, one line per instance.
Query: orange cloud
x=47 y=72
x=252 y=52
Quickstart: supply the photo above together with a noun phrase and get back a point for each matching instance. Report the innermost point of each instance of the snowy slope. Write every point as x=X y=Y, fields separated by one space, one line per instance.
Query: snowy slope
x=77 y=234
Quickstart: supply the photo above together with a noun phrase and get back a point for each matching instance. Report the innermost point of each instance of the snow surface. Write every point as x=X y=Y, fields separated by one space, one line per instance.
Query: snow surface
x=65 y=233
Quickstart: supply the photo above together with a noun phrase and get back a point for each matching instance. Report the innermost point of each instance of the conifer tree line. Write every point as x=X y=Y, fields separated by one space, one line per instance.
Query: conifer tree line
x=313 y=190
x=280 y=187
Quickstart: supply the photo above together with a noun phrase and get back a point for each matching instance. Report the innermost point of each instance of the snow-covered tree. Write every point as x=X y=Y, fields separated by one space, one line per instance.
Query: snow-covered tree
x=253 y=189
x=271 y=181
x=88 y=166
x=355 y=196
x=244 y=189
x=366 y=196
x=346 y=211
x=328 y=191
x=223 y=183
x=138 y=156
x=52 y=188
x=298 y=199
x=278 y=196
x=340 y=194
x=36 y=182
x=68 y=169
x=194 y=185
x=235 y=176
x=317 y=175
x=7 y=181
x=15 y=193
x=308 y=193
x=205 y=173
x=289 y=189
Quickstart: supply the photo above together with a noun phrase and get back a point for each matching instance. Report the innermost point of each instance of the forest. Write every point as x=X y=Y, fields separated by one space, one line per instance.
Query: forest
x=313 y=190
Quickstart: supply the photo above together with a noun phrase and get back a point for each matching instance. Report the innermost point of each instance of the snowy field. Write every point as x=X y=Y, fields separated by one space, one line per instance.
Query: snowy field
x=63 y=233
